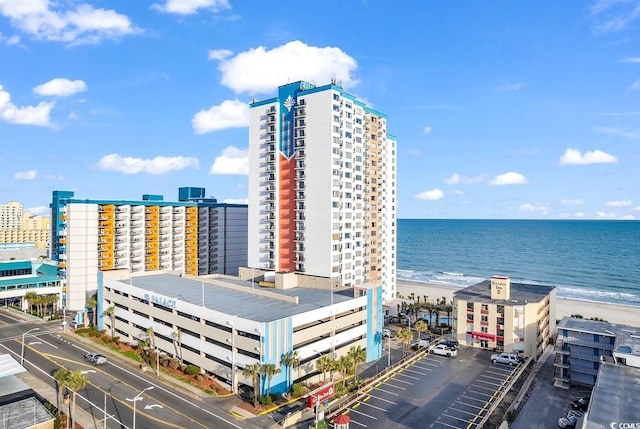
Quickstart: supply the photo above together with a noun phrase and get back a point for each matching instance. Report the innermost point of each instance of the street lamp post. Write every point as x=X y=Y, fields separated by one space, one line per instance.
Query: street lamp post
x=135 y=400
x=389 y=347
x=22 y=352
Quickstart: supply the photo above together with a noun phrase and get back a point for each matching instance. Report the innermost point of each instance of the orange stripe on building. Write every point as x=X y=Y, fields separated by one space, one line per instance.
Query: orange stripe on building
x=287 y=216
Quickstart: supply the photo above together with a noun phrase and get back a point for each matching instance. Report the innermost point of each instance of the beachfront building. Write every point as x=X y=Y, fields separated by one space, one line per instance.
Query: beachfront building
x=196 y=235
x=17 y=226
x=605 y=356
x=225 y=323
x=17 y=278
x=322 y=187
x=500 y=315
x=583 y=345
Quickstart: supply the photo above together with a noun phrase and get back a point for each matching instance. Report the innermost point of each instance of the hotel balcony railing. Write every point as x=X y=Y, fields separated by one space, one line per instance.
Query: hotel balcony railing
x=585 y=343
x=586 y=357
x=583 y=370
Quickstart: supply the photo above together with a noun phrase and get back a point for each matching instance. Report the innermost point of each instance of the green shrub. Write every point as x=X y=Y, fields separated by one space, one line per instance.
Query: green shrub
x=265 y=400
x=511 y=416
x=296 y=390
x=192 y=370
x=115 y=339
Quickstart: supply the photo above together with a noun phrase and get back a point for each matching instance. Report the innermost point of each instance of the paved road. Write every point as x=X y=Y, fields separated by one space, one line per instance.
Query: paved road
x=114 y=384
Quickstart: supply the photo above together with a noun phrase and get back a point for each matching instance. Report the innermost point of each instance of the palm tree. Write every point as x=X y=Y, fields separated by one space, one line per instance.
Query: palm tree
x=323 y=364
x=420 y=327
x=335 y=366
x=449 y=309
x=291 y=360
x=253 y=371
x=357 y=355
x=75 y=381
x=344 y=363
x=60 y=375
x=177 y=337
x=111 y=312
x=31 y=297
x=269 y=370
x=405 y=335
x=92 y=303
x=152 y=337
x=431 y=309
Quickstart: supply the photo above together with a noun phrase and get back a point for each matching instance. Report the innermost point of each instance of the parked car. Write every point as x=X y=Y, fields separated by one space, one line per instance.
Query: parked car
x=570 y=420
x=95 y=358
x=443 y=350
x=452 y=344
x=580 y=404
x=386 y=333
x=505 y=358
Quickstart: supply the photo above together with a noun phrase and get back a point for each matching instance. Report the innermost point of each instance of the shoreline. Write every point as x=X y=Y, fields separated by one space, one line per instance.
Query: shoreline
x=613 y=313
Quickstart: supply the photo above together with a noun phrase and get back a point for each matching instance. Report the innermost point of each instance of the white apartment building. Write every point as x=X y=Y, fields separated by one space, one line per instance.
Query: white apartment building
x=11 y=216
x=91 y=236
x=322 y=187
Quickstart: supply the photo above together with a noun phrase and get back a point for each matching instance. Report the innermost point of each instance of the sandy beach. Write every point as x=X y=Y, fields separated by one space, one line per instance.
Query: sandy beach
x=620 y=314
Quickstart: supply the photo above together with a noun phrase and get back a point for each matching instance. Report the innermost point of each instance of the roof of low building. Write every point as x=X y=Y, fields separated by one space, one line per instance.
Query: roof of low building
x=521 y=293
x=26 y=413
x=238 y=300
x=615 y=397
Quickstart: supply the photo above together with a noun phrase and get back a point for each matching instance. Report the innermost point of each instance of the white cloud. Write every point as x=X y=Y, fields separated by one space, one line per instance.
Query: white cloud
x=38 y=211
x=232 y=161
x=456 y=179
x=73 y=116
x=627 y=217
x=623 y=203
x=53 y=177
x=605 y=215
x=577 y=202
x=542 y=208
x=632 y=134
x=432 y=195
x=13 y=40
x=574 y=157
x=157 y=165
x=27 y=115
x=189 y=7
x=414 y=152
x=60 y=87
x=630 y=60
x=229 y=114
x=637 y=209
x=218 y=54
x=635 y=85
x=510 y=87
x=261 y=70
x=45 y=19
x=427 y=131
x=25 y=175
x=458 y=192
x=510 y=178
x=614 y=15
x=236 y=201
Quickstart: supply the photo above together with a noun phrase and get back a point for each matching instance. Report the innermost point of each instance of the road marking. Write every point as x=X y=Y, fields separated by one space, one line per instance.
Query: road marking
x=46 y=342
x=401 y=381
x=384 y=400
x=417 y=372
x=391 y=385
x=454 y=417
x=462 y=411
x=448 y=425
x=353 y=410
x=488 y=382
x=482 y=387
x=373 y=406
x=410 y=376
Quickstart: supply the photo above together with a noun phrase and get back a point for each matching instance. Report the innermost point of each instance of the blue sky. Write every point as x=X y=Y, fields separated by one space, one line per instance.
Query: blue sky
x=502 y=109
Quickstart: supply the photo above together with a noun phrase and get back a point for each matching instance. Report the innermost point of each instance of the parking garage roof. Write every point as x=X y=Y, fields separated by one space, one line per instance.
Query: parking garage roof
x=239 y=301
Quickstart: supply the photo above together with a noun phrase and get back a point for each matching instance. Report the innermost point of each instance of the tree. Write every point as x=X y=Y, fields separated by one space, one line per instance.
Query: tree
x=344 y=363
x=323 y=364
x=74 y=381
x=269 y=370
x=111 y=312
x=405 y=335
x=357 y=355
x=152 y=336
x=92 y=303
x=177 y=337
x=59 y=376
x=32 y=298
x=420 y=327
x=291 y=360
x=335 y=366
x=449 y=309
x=253 y=371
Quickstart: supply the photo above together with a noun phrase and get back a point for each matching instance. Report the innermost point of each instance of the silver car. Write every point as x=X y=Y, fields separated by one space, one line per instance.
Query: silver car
x=505 y=358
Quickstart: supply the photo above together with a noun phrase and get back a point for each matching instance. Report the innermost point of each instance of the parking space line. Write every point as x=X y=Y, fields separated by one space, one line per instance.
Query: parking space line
x=361 y=413
x=448 y=425
x=418 y=372
x=463 y=411
x=469 y=405
x=358 y=423
x=394 y=386
x=472 y=398
x=455 y=418
x=488 y=382
x=373 y=406
x=403 y=381
x=384 y=400
x=409 y=376
x=484 y=388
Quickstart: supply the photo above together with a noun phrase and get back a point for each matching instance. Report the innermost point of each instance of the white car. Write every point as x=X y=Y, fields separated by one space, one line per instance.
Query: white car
x=505 y=358
x=443 y=350
x=95 y=358
x=386 y=333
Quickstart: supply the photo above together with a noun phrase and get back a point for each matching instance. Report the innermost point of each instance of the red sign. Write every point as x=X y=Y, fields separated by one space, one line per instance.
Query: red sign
x=483 y=336
x=320 y=395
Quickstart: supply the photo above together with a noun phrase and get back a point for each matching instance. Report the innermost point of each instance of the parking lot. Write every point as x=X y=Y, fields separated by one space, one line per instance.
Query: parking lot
x=434 y=391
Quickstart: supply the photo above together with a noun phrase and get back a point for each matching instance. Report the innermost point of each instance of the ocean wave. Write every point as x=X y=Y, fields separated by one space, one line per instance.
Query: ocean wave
x=453 y=274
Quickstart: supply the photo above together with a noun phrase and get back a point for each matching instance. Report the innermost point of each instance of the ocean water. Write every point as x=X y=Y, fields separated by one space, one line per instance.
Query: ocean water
x=586 y=260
